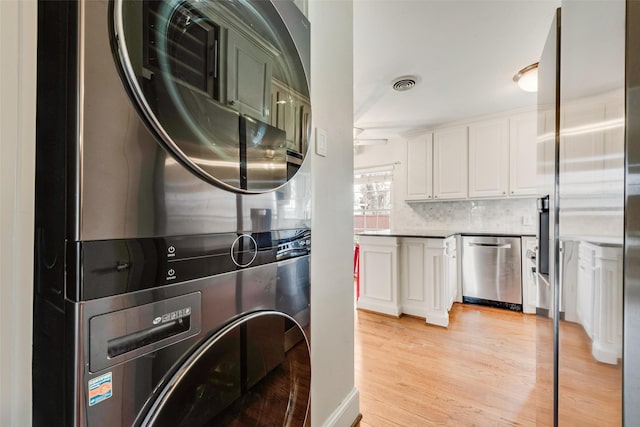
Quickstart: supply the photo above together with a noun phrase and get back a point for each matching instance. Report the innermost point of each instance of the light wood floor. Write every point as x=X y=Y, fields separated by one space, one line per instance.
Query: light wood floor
x=481 y=371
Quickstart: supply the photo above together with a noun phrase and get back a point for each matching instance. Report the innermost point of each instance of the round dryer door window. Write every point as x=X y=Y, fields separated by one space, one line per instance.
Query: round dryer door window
x=221 y=83
x=249 y=374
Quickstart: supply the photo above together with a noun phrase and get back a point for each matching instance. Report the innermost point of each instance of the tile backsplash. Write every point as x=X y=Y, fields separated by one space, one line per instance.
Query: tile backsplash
x=518 y=216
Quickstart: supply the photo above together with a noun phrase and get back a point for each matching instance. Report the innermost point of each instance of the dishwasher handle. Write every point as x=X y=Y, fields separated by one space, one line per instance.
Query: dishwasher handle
x=491 y=245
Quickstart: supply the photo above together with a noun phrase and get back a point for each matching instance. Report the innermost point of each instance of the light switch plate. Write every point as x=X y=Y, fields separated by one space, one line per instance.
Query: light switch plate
x=321 y=142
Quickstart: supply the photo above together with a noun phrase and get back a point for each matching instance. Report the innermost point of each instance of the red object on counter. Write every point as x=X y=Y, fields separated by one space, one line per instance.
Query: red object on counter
x=356 y=268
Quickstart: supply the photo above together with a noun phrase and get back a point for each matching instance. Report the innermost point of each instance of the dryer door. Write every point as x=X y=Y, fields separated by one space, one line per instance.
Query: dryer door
x=222 y=84
x=240 y=376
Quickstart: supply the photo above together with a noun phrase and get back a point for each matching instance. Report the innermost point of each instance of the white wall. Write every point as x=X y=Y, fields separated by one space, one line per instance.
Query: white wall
x=18 y=20
x=334 y=397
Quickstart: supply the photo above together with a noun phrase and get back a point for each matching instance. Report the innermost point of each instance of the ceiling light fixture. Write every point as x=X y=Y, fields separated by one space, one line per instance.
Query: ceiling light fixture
x=527 y=78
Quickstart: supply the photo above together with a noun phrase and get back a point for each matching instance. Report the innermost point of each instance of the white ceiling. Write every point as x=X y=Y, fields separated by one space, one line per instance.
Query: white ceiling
x=464 y=54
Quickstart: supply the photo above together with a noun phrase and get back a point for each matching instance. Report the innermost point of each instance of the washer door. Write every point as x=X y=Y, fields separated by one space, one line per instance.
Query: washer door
x=220 y=83
x=242 y=376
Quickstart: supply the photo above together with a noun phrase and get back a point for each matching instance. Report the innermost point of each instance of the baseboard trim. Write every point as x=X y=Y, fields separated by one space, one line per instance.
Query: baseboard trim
x=347 y=412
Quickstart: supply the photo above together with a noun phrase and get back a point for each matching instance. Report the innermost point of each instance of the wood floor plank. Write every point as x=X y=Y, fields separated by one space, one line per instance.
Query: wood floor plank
x=481 y=371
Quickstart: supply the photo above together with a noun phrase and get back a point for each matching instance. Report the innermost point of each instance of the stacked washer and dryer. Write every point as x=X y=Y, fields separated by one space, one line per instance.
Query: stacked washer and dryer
x=172 y=214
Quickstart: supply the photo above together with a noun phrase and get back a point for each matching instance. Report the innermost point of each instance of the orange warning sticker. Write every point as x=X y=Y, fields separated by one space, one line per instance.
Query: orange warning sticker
x=100 y=388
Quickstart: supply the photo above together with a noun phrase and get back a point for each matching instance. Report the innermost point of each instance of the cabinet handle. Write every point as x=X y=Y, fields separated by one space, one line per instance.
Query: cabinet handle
x=504 y=192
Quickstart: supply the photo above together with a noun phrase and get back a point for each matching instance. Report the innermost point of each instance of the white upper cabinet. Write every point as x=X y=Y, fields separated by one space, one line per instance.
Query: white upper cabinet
x=450 y=163
x=420 y=168
x=493 y=158
x=249 y=70
x=489 y=158
x=522 y=154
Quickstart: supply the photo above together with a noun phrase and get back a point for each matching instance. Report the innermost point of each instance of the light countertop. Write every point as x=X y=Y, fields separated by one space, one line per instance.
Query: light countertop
x=441 y=234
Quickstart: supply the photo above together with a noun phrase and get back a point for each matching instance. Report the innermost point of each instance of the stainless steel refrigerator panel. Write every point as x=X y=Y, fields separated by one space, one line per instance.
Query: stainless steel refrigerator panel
x=546 y=327
x=590 y=208
x=491 y=268
x=631 y=369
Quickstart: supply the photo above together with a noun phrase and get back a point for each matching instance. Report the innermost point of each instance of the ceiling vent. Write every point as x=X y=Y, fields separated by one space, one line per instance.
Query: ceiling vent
x=404 y=83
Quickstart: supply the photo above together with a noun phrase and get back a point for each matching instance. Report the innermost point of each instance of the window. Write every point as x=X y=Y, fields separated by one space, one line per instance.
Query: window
x=372 y=200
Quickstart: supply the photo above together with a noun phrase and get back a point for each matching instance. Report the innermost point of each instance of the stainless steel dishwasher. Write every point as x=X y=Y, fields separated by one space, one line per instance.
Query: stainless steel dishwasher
x=491 y=271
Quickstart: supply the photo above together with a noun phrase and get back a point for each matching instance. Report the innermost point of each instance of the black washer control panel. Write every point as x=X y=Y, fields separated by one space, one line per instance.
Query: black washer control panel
x=113 y=267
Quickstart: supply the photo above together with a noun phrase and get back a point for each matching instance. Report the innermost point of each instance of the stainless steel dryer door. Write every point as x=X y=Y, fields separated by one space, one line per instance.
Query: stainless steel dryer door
x=222 y=84
x=244 y=375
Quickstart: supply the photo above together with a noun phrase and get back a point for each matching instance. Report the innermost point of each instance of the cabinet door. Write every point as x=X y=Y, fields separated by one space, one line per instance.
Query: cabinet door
x=420 y=168
x=413 y=277
x=379 y=275
x=451 y=271
x=522 y=154
x=248 y=77
x=436 y=289
x=450 y=163
x=488 y=158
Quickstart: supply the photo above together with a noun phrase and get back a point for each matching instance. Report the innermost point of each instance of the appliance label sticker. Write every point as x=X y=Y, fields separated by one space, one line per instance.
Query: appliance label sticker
x=100 y=388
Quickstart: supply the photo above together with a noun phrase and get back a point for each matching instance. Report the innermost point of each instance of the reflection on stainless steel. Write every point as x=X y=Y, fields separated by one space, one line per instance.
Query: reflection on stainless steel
x=263 y=155
x=631 y=383
x=282 y=287
x=588 y=211
x=491 y=270
x=196 y=68
x=127 y=195
x=240 y=376
x=591 y=175
x=546 y=330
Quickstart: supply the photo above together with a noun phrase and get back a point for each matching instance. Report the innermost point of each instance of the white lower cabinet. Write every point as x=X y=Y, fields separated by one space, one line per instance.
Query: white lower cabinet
x=423 y=280
x=413 y=253
x=379 y=274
